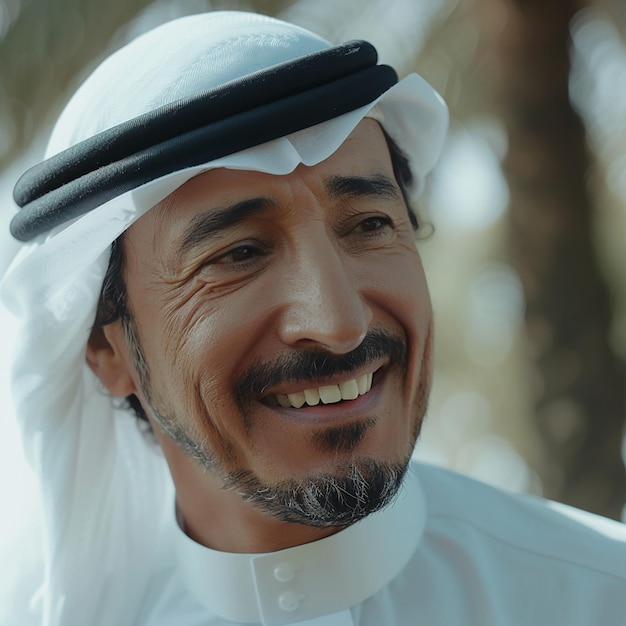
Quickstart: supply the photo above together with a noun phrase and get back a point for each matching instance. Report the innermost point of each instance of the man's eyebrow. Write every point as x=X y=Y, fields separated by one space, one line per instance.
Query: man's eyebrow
x=377 y=185
x=208 y=224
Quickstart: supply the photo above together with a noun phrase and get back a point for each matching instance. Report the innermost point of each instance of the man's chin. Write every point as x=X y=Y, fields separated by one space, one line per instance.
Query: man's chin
x=342 y=498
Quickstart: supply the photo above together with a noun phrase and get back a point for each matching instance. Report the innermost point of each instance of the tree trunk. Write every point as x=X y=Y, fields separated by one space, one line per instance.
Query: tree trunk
x=580 y=400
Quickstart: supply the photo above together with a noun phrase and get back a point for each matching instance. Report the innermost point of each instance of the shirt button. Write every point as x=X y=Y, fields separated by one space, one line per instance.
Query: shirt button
x=289 y=601
x=284 y=572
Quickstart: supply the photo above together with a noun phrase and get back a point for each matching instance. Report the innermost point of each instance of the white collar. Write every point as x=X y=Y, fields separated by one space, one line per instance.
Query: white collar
x=310 y=580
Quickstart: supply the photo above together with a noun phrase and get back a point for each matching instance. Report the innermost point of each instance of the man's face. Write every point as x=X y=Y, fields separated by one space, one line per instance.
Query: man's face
x=284 y=324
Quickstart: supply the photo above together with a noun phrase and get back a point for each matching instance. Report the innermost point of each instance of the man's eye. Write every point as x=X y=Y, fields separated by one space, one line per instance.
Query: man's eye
x=239 y=255
x=372 y=224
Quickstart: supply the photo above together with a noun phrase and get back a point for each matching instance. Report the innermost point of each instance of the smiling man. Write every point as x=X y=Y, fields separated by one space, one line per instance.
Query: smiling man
x=278 y=354
x=221 y=234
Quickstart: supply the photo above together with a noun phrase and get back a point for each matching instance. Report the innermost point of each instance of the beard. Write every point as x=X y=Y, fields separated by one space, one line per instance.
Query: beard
x=350 y=494
x=354 y=490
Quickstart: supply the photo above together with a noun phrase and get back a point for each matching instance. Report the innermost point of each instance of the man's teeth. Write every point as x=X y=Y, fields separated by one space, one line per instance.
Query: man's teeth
x=329 y=394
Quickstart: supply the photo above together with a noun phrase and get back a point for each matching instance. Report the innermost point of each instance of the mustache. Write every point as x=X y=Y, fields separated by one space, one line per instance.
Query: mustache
x=314 y=364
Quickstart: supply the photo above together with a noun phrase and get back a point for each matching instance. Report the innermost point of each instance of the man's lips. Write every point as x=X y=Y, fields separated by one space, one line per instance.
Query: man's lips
x=349 y=389
x=293 y=372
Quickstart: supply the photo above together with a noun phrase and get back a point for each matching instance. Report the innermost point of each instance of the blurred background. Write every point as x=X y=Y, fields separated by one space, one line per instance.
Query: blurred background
x=526 y=258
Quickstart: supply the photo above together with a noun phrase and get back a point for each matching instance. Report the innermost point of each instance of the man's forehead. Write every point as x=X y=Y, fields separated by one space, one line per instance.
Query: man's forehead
x=364 y=153
x=217 y=199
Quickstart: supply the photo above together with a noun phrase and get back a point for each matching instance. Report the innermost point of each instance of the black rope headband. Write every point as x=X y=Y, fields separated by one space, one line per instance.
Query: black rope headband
x=240 y=114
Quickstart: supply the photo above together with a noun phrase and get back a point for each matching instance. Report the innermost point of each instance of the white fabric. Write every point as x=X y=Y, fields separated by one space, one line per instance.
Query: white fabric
x=476 y=557
x=305 y=581
x=102 y=485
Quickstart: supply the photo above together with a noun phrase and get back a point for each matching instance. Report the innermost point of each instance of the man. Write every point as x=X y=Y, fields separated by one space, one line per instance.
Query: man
x=227 y=198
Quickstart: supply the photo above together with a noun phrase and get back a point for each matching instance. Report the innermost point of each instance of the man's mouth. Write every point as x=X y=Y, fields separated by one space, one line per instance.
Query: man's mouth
x=327 y=394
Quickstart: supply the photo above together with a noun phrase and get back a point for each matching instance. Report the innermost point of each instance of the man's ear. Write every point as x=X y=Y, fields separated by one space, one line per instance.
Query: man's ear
x=109 y=361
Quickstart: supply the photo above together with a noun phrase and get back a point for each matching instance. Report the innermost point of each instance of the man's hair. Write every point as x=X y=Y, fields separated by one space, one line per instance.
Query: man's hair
x=113 y=301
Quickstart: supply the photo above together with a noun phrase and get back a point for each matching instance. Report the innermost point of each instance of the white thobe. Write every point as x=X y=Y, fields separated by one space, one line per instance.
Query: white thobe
x=449 y=551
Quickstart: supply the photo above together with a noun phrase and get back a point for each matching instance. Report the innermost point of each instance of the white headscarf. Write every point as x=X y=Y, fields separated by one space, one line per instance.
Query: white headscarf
x=106 y=490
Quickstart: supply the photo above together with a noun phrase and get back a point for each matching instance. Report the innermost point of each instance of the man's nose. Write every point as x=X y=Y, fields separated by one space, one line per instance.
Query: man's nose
x=326 y=307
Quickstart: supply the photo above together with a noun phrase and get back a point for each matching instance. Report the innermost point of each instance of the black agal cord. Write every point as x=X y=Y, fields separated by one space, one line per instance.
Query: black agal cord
x=237 y=115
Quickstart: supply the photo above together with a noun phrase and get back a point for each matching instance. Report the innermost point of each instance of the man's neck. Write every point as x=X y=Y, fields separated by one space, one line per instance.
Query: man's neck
x=230 y=527
x=222 y=520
